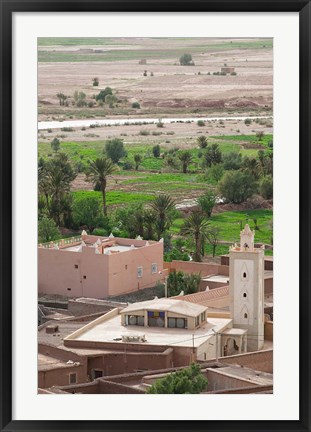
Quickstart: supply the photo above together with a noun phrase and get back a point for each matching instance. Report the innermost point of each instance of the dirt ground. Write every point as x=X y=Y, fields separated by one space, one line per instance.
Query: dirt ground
x=173 y=134
x=172 y=88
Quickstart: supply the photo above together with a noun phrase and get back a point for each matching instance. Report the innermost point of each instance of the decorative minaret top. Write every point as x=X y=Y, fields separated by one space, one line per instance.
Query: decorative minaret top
x=247 y=239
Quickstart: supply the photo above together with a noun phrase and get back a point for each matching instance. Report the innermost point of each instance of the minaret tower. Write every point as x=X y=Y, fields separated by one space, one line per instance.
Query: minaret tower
x=246 y=274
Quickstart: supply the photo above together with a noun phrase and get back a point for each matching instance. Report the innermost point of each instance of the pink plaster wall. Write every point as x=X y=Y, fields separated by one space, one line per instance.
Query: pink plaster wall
x=98 y=275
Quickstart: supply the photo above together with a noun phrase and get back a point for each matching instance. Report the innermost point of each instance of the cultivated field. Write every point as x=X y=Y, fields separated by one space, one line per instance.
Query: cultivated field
x=172 y=88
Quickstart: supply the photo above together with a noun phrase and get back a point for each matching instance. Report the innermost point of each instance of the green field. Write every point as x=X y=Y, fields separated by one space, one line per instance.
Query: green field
x=113 y=55
x=115 y=197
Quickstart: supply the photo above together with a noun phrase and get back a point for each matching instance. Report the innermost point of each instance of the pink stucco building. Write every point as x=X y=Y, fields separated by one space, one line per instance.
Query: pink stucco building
x=98 y=267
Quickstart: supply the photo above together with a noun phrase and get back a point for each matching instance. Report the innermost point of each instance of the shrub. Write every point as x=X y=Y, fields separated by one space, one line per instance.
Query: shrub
x=103 y=93
x=136 y=105
x=186 y=60
x=156 y=150
x=128 y=166
x=247 y=121
x=144 y=132
x=95 y=81
x=67 y=129
x=266 y=187
x=201 y=123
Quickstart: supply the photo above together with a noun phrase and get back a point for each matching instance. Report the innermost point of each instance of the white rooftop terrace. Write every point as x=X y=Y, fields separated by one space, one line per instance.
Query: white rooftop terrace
x=114 y=248
x=111 y=330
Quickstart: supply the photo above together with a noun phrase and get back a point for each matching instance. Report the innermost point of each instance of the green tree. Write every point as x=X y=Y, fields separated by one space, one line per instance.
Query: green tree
x=61 y=98
x=163 y=207
x=55 y=179
x=98 y=172
x=111 y=99
x=266 y=187
x=237 y=186
x=95 y=82
x=189 y=380
x=149 y=224
x=136 y=105
x=215 y=172
x=212 y=155
x=156 y=150
x=103 y=93
x=213 y=238
x=55 y=145
x=186 y=158
x=232 y=161
x=186 y=60
x=138 y=160
x=87 y=211
x=196 y=228
x=202 y=141
x=47 y=230
x=252 y=166
x=207 y=202
x=79 y=98
x=114 y=149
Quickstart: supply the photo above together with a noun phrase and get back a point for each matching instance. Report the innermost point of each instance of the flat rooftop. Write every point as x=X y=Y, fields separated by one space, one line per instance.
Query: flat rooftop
x=114 y=248
x=47 y=363
x=111 y=330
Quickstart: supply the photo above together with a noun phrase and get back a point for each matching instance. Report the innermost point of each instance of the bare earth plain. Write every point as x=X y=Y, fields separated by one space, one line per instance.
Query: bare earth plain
x=171 y=89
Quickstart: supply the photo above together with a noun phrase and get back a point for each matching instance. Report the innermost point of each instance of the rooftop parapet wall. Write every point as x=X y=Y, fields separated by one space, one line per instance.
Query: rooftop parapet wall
x=203 y=268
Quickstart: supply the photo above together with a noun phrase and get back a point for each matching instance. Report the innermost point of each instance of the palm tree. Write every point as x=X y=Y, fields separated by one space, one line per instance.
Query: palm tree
x=138 y=159
x=202 y=141
x=196 y=227
x=99 y=170
x=186 y=159
x=149 y=222
x=163 y=206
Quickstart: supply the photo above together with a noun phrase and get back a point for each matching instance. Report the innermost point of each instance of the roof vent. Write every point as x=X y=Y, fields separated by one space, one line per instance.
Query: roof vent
x=51 y=329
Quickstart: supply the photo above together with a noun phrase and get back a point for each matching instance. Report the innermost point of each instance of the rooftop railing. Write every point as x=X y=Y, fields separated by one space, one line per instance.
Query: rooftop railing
x=61 y=243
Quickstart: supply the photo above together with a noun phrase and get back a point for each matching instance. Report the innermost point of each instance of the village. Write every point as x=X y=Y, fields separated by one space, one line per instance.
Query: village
x=155 y=215
x=106 y=346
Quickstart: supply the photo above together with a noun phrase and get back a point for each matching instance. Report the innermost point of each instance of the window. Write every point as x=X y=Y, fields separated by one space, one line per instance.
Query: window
x=244 y=275
x=156 y=318
x=202 y=316
x=177 y=322
x=197 y=320
x=97 y=373
x=72 y=378
x=139 y=272
x=245 y=315
x=125 y=266
x=68 y=289
x=135 y=320
x=244 y=295
x=154 y=268
x=84 y=277
x=76 y=266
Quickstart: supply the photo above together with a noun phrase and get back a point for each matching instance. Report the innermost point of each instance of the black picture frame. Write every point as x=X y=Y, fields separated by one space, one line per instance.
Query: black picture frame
x=6 y=11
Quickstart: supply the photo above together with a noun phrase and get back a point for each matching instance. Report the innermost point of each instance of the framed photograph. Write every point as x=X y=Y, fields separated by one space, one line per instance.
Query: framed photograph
x=180 y=105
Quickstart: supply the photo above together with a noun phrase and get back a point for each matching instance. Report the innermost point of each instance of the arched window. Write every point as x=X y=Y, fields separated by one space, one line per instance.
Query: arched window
x=244 y=295
x=245 y=315
x=244 y=275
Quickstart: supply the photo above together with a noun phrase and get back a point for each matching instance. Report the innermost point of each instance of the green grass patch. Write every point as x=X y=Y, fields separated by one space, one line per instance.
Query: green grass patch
x=72 y=41
x=229 y=225
x=116 y=197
